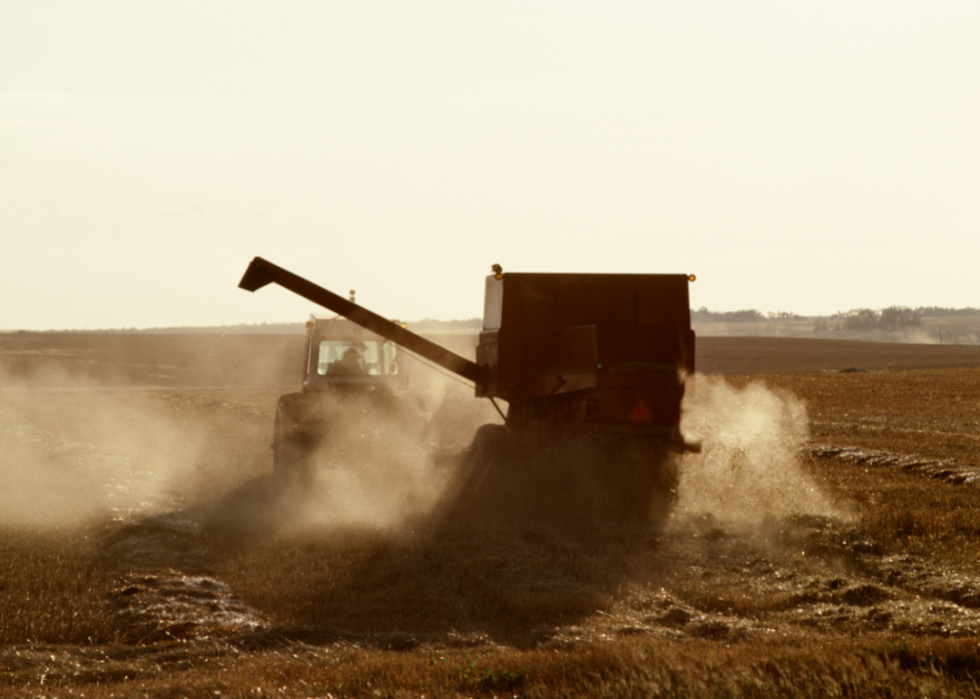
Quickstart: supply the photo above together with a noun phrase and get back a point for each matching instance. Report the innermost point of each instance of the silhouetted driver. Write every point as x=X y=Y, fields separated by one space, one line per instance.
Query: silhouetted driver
x=348 y=365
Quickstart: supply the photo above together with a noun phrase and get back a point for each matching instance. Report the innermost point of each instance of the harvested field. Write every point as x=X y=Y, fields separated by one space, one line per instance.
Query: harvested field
x=779 y=355
x=146 y=550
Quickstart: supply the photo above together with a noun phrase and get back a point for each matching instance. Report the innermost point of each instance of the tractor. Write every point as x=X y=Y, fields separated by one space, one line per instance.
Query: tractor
x=354 y=383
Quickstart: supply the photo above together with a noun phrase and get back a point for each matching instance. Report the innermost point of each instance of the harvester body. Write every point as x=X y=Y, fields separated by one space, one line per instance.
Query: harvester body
x=592 y=363
x=589 y=352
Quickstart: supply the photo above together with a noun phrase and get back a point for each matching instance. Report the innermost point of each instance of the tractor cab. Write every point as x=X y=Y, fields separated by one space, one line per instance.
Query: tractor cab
x=342 y=354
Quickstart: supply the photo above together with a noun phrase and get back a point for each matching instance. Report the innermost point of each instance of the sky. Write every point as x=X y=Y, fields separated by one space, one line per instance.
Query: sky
x=811 y=157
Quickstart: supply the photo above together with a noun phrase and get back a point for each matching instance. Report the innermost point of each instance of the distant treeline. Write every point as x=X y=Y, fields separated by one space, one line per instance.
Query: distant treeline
x=937 y=312
x=891 y=318
x=703 y=315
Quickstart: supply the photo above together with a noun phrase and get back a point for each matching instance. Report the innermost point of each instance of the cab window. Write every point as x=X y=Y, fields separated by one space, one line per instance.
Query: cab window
x=349 y=358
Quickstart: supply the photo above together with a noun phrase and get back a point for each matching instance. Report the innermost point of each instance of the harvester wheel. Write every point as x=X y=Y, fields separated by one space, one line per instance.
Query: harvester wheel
x=571 y=481
x=489 y=442
x=644 y=479
x=490 y=446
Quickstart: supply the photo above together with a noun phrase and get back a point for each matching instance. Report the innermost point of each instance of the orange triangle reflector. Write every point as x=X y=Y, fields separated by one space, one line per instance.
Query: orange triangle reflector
x=640 y=412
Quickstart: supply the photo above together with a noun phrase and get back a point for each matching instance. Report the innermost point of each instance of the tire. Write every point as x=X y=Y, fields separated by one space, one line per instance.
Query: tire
x=474 y=486
x=489 y=442
x=644 y=483
x=291 y=462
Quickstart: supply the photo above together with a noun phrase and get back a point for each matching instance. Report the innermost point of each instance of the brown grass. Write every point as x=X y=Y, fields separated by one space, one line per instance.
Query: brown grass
x=480 y=580
x=52 y=587
x=874 y=666
x=922 y=516
x=932 y=413
x=477 y=609
x=770 y=355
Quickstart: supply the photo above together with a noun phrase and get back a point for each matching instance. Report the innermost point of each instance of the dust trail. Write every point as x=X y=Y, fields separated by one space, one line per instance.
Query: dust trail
x=81 y=459
x=373 y=463
x=384 y=462
x=43 y=482
x=72 y=449
x=749 y=469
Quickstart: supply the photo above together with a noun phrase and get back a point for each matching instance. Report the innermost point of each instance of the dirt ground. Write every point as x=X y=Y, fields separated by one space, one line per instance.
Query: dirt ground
x=144 y=540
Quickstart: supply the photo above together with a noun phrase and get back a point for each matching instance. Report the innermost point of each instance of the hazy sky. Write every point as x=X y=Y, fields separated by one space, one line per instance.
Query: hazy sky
x=800 y=156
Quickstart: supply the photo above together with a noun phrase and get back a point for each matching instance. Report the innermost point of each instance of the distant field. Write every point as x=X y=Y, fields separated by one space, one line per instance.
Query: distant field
x=947 y=330
x=765 y=355
x=171 y=360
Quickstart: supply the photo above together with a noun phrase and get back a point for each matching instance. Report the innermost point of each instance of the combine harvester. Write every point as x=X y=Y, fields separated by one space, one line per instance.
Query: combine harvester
x=593 y=369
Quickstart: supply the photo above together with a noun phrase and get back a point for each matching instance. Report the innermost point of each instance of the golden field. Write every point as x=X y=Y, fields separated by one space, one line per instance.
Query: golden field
x=147 y=551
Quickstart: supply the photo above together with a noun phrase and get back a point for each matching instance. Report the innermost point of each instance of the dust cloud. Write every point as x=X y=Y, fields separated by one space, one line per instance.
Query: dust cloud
x=119 y=426
x=374 y=468
x=749 y=468
x=41 y=482
x=72 y=449
x=382 y=465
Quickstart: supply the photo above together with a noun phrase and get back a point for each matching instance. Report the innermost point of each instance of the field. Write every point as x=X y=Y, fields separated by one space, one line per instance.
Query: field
x=934 y=330
x=824 y=543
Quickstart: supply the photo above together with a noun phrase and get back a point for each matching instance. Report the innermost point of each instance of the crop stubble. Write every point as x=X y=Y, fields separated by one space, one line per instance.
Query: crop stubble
x=889 y=596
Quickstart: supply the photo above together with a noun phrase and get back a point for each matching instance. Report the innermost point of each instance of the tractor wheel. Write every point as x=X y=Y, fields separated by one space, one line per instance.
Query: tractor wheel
x=408 y=418
x=291 y=462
